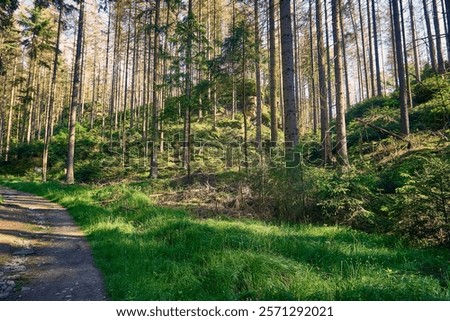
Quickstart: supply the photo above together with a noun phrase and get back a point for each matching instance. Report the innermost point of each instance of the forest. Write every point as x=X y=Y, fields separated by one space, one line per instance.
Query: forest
x=238 y=149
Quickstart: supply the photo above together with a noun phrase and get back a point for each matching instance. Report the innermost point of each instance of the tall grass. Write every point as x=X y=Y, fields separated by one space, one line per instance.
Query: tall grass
x=148 y=252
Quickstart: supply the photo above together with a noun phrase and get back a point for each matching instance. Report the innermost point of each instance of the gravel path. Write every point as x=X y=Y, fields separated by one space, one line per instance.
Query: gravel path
x=43 y=254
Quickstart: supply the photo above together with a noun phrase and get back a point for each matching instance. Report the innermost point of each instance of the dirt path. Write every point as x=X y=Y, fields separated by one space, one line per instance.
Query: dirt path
x=43 y=254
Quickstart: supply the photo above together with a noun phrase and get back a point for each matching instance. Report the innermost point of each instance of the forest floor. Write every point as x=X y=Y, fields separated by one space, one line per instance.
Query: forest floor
x=43 y=254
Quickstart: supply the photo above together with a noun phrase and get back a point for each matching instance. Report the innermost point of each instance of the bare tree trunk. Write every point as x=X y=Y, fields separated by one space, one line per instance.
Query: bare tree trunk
x=405 y=54
x=134 y=71
x=156 y=90
x=258 y=76
x=125 y=93
x=94 y=88
x=369 y=38
x=290 y=112
x=330 y=101
x=437 y=29
x=10 y=113
x=404 y=118
x=244 y=106
x=447 y=34
x=358 y=57
x=75 y=99
x=341 y=132
x=112 y=94
x=377 y=57
x=363 y=42
x=272 y=74
x=394 y=60
x=49 y=118
x=414 y=41
x=312 y=67
x=324 y=119
x=429 y=36
x=344 y=61
x=105 y=80
x=188 y=93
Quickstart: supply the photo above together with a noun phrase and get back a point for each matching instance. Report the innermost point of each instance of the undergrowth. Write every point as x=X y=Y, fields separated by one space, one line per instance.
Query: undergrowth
x=148 y=252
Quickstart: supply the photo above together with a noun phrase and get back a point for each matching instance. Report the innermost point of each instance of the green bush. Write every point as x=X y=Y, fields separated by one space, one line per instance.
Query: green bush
x=384 y=117
x=422 y=205
x=346 y=197
x=432 y=115
x=428 y=88
x=363 y=108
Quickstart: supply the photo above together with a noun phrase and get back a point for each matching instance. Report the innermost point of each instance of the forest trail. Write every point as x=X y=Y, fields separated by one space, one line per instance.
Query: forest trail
x=43 y=254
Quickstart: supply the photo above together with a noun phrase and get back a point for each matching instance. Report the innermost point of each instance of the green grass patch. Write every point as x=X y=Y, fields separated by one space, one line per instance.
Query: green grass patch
x=148 y=252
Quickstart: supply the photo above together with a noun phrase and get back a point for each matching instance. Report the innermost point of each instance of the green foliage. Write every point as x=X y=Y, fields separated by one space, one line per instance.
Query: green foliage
x=422 y=204
x=367 y=106
x=346 y=197
x=7 y=8
x=383 y=117
x=429 y=88
x=433 y=114
x=395 y=175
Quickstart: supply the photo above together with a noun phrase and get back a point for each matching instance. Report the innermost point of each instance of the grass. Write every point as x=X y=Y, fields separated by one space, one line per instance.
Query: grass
x=148 y=252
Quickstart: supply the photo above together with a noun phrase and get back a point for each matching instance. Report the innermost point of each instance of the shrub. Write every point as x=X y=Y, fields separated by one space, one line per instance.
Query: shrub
x=432 y=115
x=421 y=206
x=346 y=197
x=429 y=88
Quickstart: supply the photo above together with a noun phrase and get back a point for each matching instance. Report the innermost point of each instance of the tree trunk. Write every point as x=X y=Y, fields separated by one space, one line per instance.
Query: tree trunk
x=363 y=42
x=105 y=75
x=358 y=59
x=429 y=36
x=341 y=132
x=447 y=35
x=394 y=60
x=70 y=178
x=188 y=93
x=272 y=74
x=404 y=119
x=330 y=101
x=10 y=113
x=405 y=54
x=156 y=100
x=369 y=38
x=290 y=112
x=344 y=64
x=258 y=77
x=51 y=104
x=312 y=89
x=324 y=118
x=437 y=29
x=377 y=57
x=125 y=93
x=414 y=42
